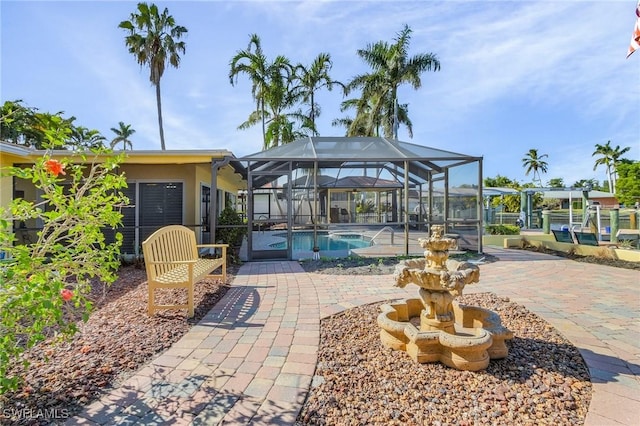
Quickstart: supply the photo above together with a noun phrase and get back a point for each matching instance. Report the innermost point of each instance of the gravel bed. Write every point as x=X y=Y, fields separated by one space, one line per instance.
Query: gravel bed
x=116 y=341
x=543 y=381
x=354 y=265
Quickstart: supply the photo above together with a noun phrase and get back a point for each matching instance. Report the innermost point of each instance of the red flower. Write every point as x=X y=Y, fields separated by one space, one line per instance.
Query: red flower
x=66 y=294
x=54 y=167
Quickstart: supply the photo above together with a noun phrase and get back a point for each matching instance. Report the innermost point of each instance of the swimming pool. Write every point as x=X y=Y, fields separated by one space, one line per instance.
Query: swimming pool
x=303 y=241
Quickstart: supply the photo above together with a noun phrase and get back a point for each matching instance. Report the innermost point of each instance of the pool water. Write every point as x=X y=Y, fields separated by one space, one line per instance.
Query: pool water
x=326 y=242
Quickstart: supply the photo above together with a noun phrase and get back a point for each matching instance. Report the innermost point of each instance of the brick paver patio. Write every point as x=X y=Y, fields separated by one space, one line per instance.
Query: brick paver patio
x=251 y=359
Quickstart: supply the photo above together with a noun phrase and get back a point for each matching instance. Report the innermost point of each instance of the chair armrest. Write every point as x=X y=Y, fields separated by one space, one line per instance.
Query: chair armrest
x=212 y=245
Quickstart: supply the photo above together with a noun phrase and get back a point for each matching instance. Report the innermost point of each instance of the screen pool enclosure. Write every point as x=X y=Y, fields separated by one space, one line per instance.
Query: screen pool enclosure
x=358 y=185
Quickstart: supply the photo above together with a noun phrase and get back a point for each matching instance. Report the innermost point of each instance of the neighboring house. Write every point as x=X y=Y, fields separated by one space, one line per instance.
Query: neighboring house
x=164 y=187
x=568 y=196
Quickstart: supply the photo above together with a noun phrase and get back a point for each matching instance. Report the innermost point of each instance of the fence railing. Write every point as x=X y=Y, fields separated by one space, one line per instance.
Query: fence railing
x=557 y=219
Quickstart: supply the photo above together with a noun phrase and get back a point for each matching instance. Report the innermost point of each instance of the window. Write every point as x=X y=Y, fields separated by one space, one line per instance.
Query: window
x=128 y=224
x=205 y=203
x=160 y=204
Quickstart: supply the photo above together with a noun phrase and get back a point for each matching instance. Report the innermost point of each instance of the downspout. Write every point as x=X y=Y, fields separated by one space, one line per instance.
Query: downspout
x=213 y=205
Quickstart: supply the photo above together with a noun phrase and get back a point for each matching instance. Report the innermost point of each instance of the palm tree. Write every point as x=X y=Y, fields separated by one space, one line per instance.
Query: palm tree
x=391 y=68
x=312 y=79
x=83 y=138
x=556 y=183
x=587 y=183
x=348 y=122
x=274 y=95
x=610 y=158
x=253 y=62
x=123 y=132
x=606 y=159
x=534 y=162
x=364 y=123
x=153 y=40
x=278 y=98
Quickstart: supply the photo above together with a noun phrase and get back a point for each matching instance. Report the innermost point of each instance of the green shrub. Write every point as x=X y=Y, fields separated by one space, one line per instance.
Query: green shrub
x=365 y=206
x=502 y=230
x=231 y=228
x=44 y=286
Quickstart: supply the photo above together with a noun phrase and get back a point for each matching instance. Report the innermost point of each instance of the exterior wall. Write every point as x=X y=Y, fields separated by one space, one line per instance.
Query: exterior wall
x=183 y=173
x=606 y=201
x=192 y=176
x=30 y=193
x=228 y=180
x=6 y=182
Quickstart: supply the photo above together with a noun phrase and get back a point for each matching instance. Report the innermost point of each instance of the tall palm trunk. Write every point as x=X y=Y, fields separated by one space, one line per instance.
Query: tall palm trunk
x=264 y=126
x=313 y=112
x=159 y=103
x=612 y=182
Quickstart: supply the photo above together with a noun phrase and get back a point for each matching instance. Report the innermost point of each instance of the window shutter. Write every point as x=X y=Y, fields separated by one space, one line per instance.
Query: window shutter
x=160 y=205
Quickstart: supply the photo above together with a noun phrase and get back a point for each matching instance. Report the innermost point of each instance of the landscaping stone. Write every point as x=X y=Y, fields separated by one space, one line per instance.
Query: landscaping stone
x=544 y=380
x=117 y=340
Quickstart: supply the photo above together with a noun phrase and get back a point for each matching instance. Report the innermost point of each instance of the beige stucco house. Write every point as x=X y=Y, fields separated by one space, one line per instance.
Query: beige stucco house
x=164 y=187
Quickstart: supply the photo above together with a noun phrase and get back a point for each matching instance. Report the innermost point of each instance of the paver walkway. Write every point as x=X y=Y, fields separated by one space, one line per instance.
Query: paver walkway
x=252 y=358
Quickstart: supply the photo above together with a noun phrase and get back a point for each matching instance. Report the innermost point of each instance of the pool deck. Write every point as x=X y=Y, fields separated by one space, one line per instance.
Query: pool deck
x=252 y=358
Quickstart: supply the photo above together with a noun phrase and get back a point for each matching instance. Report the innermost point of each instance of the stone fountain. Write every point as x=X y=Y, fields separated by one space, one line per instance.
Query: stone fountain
x=435 y=327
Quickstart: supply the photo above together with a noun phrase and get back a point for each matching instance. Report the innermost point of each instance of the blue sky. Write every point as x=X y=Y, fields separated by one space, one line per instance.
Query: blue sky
x=549 y=75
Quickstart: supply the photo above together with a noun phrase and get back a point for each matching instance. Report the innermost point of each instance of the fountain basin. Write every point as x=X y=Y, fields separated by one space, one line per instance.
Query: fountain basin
x=476 y=317
x=474 y=337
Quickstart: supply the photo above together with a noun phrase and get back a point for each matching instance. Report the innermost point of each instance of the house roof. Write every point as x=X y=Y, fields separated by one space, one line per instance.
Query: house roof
x=134 y=156
x=158 y=157
x=15 y=150
x=496 y=190
x=557 y=193
x=175 y=156
x=576 y=194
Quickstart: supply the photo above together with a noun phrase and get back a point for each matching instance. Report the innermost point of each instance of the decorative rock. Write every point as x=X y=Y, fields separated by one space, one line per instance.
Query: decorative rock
x=434 y=394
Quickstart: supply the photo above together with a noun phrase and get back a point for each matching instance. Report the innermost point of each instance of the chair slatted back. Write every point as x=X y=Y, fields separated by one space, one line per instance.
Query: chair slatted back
x=168 y=244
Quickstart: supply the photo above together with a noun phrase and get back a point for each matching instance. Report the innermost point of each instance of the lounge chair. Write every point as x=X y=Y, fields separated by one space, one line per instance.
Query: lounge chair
x=562 y=236
x=586 y=238
x=591 y=239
